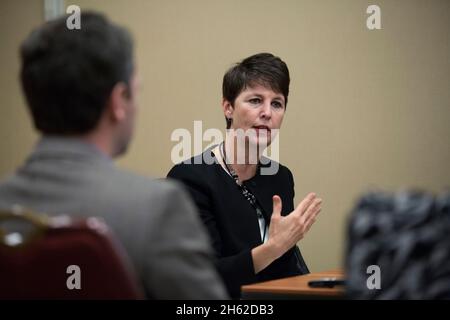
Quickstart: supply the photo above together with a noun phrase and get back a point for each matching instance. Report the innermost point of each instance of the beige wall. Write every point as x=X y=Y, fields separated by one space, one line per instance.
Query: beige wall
x=368 y=109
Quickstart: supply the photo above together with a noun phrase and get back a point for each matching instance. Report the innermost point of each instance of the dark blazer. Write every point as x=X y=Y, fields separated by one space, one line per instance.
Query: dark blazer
x=155 y=220
x=232 y=222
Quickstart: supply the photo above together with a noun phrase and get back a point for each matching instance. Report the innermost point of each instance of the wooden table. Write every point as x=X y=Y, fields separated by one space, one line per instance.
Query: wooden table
x=295 y=288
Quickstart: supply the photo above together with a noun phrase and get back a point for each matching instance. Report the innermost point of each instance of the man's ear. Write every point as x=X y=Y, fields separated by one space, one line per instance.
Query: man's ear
x=118 y=101
x=227 y=108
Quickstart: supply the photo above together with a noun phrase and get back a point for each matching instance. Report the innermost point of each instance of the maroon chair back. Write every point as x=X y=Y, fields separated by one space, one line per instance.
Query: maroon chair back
x=62 y=258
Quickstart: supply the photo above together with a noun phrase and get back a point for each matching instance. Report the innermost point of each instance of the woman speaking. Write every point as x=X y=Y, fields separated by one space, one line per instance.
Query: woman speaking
x=250 y=216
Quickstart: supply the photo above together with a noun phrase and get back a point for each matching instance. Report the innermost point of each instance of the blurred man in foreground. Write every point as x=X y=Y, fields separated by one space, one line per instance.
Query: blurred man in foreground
x=80 y=87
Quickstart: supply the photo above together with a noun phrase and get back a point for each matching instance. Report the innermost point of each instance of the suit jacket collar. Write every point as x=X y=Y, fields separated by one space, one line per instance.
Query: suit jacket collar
x=56 y=147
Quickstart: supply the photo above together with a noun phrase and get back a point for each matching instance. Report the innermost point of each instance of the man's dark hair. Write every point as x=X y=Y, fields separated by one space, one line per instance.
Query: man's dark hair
x=260 y=69
x=68 y=75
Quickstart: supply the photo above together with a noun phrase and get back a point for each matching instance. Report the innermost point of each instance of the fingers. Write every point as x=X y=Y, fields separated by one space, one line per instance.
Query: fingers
x=311 y=213
x=311 y=210
x=277 y=205
x=311 y=221
x=313 y=207
x=306 y=202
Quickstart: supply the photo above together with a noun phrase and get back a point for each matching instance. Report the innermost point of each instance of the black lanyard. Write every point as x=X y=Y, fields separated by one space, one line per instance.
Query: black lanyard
x=245 y=192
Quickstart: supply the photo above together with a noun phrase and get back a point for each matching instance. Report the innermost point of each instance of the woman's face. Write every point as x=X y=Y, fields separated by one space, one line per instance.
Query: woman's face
x=257 y=108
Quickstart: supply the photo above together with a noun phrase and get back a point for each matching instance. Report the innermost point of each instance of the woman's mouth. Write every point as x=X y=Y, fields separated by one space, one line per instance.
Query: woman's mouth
x=261 y=129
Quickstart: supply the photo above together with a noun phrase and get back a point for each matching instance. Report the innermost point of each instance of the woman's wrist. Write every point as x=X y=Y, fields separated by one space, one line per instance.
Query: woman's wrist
x=263 y=255
x=272 y=250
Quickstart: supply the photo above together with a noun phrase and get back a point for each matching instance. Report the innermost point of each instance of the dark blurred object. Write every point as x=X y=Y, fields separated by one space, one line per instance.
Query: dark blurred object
x=408 y=236
x=36 y=252
x=326 y=283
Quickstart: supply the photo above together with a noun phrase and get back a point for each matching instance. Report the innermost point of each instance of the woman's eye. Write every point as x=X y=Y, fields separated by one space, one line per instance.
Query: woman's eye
x=277 y=104
x=255 y=101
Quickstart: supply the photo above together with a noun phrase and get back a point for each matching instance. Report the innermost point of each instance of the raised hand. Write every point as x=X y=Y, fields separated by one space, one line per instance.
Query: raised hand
x=285 y=232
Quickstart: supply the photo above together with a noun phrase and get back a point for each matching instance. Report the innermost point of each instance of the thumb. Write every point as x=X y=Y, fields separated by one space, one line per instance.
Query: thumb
x=276 y=206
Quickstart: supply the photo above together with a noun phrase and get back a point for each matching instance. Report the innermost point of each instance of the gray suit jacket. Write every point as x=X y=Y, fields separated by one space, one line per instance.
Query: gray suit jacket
x=155 y=220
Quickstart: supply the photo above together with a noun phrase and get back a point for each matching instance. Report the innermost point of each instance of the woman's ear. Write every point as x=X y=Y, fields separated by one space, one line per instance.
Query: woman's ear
x=227 y=108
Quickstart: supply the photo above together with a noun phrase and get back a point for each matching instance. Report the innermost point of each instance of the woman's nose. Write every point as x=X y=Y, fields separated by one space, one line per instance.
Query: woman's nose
x=266 y=112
